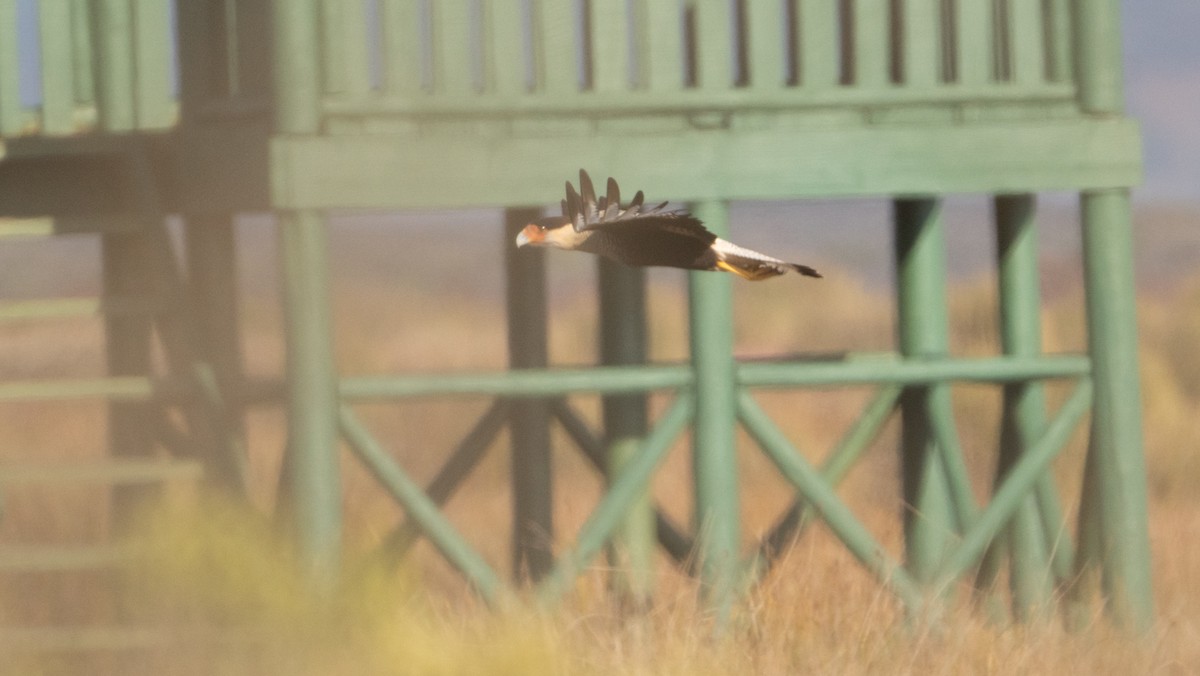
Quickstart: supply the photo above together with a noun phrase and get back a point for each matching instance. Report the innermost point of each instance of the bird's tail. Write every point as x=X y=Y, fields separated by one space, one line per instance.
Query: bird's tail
x=754 y=266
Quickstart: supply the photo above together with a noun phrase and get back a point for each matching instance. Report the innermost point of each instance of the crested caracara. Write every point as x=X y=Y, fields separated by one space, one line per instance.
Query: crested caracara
x=641 y=236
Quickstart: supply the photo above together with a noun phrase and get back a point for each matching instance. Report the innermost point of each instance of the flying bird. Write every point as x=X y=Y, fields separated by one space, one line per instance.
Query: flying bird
x=645 y=236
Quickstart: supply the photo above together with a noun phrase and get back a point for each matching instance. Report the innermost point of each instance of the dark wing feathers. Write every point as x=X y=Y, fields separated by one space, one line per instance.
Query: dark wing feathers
x=587 y=212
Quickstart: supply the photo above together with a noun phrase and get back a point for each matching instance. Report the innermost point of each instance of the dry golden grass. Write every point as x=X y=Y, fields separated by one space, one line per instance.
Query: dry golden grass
x=225 y=588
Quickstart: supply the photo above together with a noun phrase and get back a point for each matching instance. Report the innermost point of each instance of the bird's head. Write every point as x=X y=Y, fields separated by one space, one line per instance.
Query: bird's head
x=553 y=231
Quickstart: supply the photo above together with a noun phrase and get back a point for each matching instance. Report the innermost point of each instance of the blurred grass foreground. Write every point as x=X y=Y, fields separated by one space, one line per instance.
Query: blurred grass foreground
x=216 y=583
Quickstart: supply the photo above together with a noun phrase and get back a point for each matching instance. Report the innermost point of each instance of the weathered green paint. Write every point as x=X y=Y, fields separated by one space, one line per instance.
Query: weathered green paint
x=678 y=545
x=1017 y=485
x=315 y=497
x=626 y=490
x=836 y=466
x=364 y=171
x=623 y=341
x=58 y=90
x=1024 y=411
x=817 y=492
x=456 y=469
x=923 y=327
x=1116 y=443
x=714 y=461
x=998 y=114
x=421 y=509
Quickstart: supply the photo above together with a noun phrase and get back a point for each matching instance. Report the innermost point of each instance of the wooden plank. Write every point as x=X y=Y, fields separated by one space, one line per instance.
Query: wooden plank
x=154 y=103
x=921 y=43
x=975 y=32
x=872 y=44
x=819 y=44
x=62 y=308
x=58 y=89
x=452 y=71
x=609 y=45
x=46 y=558
x=714 y=46
x=1027 y=49
x=114 y=388
x=25 y=640
x=401 y=25
x=507 y=69
x=556 y=53
x=103 y=471
x=658 y=36
x=765 y=32
x=12 y=116
x=754 y=164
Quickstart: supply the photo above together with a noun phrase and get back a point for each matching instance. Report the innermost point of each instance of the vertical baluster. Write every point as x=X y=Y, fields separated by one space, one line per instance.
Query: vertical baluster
x=344 y=47
x=610 y=47
x=766 y=46
x=333 y=52
x=658 y=35
x=975 y=32
x=505 y=69
x=1027 y=48
x=555 y=54
x=58 y=93
x=871 y=43
x=113 y=31
x=10 y=73
x=81 y=52
x=921 y=43
x=819 y=52
x=153 y=63
x=357 y=59
x=713 y=41
x=1058 y=52
x=452 y=47
x=401 y=22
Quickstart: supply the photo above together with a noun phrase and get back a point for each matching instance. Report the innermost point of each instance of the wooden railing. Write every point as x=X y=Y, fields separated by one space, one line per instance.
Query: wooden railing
x=75 y=66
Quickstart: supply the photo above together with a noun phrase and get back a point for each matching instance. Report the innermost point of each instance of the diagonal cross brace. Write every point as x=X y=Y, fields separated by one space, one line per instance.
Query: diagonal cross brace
x=797 y=470
x=421 y=509
x=634 y=478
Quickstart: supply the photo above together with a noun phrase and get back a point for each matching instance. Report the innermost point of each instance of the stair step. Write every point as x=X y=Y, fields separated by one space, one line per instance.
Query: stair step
x=63 y=308
x=82 y=639
x=103 y=471
x=59 y=558
x=127 y=388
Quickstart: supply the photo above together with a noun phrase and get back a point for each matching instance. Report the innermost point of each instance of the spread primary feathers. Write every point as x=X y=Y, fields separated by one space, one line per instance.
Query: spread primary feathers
x=646 y=236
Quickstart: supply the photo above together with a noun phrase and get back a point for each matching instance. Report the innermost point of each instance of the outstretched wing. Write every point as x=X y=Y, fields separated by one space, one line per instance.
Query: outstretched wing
x=585 y=211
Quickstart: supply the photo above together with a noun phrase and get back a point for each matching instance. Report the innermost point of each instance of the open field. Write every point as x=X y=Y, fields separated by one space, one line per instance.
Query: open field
x=817 y=612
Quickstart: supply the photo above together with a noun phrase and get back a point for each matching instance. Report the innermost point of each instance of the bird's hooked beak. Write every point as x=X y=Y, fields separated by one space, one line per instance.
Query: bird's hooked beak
x=530 y=234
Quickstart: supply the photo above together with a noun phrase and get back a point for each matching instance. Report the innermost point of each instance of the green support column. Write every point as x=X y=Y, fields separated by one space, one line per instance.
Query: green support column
x=1024 y=413
x=312 y=465
x=312 y=462
x=623 y=342
x=921 y=286
x=1113 y=522
x=529 y=419
x=1117 y=476
x=714 y=443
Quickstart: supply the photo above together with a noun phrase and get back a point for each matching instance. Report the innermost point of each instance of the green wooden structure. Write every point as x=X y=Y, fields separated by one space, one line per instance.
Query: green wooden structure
x=306 y=106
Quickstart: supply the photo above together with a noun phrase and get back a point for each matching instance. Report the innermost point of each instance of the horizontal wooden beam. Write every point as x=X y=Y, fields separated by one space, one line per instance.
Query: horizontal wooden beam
x=459 y=170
